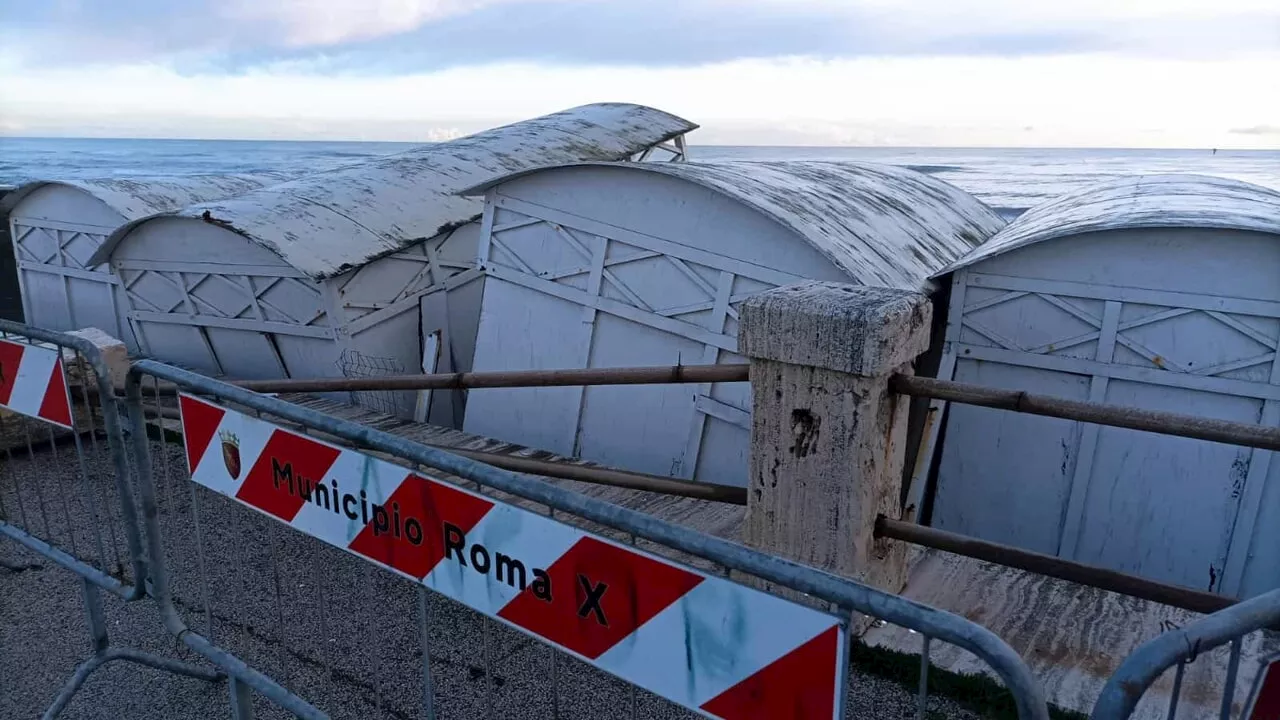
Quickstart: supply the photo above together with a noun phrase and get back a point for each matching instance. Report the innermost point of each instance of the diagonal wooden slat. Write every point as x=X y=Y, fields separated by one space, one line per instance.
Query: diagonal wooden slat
x=608 y=275
x=992 y=335
x=993 y=301
x=1235 y=365
x=1258 y=337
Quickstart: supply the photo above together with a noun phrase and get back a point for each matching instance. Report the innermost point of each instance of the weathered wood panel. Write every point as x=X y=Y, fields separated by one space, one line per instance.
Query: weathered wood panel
x=1182 y=319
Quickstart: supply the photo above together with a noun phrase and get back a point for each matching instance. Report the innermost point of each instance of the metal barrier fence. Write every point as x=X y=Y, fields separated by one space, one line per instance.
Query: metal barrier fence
x=64 y=490
x=601 y=612
x=1182 y=647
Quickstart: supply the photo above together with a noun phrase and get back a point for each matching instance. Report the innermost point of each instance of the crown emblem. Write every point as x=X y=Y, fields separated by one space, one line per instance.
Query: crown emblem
x=231 y=453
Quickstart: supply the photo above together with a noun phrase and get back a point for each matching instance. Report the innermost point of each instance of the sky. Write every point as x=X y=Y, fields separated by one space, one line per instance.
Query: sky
x=1036 y=73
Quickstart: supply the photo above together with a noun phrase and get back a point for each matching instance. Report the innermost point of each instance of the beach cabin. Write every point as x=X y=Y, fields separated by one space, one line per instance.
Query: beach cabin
x=1156 y=292
x=57 y=226
x=352 y=271
x=597 y=265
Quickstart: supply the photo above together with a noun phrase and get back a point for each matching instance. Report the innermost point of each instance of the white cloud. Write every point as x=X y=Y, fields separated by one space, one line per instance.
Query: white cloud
x=327 y=22
x=1091 y=100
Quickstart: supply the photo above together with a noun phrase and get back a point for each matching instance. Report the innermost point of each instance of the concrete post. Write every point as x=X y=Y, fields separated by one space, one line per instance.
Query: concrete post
x=828 y=438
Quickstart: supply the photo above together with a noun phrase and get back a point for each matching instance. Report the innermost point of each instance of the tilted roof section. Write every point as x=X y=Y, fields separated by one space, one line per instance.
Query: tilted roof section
x=1142 y=201
x=326 y=223
x=883 y=225
x=136 y=198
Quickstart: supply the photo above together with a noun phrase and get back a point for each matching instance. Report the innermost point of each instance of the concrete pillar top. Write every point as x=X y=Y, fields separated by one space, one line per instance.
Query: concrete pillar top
x=859 y=330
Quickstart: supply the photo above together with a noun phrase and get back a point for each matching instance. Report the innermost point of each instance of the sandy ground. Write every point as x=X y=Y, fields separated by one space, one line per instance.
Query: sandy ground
x=343 y=634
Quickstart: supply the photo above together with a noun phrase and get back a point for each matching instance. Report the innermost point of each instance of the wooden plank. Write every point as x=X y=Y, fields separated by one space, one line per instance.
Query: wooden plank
x=1089 y=436
x=666 y=247
x=231 y=324
x=228 y=268
x=1241 y=306
x=100 y=277
x=1225 y=386
x=613 y=307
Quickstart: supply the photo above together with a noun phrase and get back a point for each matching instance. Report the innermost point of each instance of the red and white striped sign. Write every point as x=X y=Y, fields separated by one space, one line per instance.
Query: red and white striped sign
x=32 y=383
x=1264 y=704
x=712 y=645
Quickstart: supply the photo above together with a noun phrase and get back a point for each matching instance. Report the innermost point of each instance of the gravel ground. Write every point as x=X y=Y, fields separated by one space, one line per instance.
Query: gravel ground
x=338 y=631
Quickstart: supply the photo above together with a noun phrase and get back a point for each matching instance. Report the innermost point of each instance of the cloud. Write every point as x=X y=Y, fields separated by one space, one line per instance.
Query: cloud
x=1257 y=130
x=398 y=36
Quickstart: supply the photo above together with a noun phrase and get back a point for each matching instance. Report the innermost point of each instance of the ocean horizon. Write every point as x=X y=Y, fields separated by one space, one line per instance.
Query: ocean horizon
x=1008 y=179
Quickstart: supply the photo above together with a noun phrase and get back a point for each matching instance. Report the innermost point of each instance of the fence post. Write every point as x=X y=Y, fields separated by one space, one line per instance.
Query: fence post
x=828 y=437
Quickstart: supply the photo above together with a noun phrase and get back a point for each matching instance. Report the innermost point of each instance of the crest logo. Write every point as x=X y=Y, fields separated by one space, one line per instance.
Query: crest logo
x=231 y=453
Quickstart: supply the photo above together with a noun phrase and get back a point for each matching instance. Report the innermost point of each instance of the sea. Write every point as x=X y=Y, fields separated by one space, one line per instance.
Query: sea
x=1008 y=179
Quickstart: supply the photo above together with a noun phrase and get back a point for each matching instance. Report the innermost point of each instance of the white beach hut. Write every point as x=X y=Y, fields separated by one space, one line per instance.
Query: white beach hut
x=1160 y=292
x=351 y=270
x=629 y=264
x=57 y=226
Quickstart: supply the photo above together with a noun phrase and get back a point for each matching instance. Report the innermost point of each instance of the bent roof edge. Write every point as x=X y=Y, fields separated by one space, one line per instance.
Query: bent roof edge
x=1140 y=201
x=134 y=198
x=883 y=225
x=326 y=223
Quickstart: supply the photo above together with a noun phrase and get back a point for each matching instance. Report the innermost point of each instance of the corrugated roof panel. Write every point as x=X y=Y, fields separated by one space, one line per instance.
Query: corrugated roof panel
x=139 y=197
x=883 y=225
x=326 y=223
x=1143 y=201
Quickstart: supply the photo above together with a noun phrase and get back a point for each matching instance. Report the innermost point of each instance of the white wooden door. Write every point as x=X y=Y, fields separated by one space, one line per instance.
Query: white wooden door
x=59 y=290
x=568 y=292
x=1173 y=509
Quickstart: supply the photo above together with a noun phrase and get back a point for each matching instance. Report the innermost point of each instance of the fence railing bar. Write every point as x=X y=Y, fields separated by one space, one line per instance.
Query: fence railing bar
x=91 y=510
x=94 y=575
x=1165 y=423
x=241 y=700
x=939 y=624
x=1127 y=684
x=664 y=375
x=428 y=686
x=922 y=698
x=204 y=566
x=283 y=653
x=112 y=425
x=101 y=487
x=326 y=655
x=1177 y=690
x=1233 y=670
x=31 y=458
x=17 y=486
x=488 y=666
x=1052 y=566
x=61 y=488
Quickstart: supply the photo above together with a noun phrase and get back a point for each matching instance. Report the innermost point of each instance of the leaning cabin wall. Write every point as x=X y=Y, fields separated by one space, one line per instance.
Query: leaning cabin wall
x=391 y=305
x=605 y=267
x=59 y=289
x=204 y=297
x=1184 y=320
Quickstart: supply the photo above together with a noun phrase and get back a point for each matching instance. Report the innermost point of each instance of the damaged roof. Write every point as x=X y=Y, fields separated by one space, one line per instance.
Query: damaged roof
x=883 y=225
x=136 y=198
x=1142 y=201
x=326 y=223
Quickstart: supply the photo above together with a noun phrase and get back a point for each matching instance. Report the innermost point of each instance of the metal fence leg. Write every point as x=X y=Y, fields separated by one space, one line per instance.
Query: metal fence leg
x=428 y=688
x=922 y=700
x=241 y=700
x=103 y=654
x=1233 y=669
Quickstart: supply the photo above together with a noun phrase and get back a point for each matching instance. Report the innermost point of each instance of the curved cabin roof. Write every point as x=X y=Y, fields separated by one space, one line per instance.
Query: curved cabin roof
x=326 y=223
x=1143 y=201
x=136 y=198
x=883 y=225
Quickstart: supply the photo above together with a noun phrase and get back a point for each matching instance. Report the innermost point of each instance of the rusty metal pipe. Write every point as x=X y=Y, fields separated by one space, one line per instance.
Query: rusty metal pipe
x=1165 y=423
x=606 y=476
x=1090 y=575
x=675 y=374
